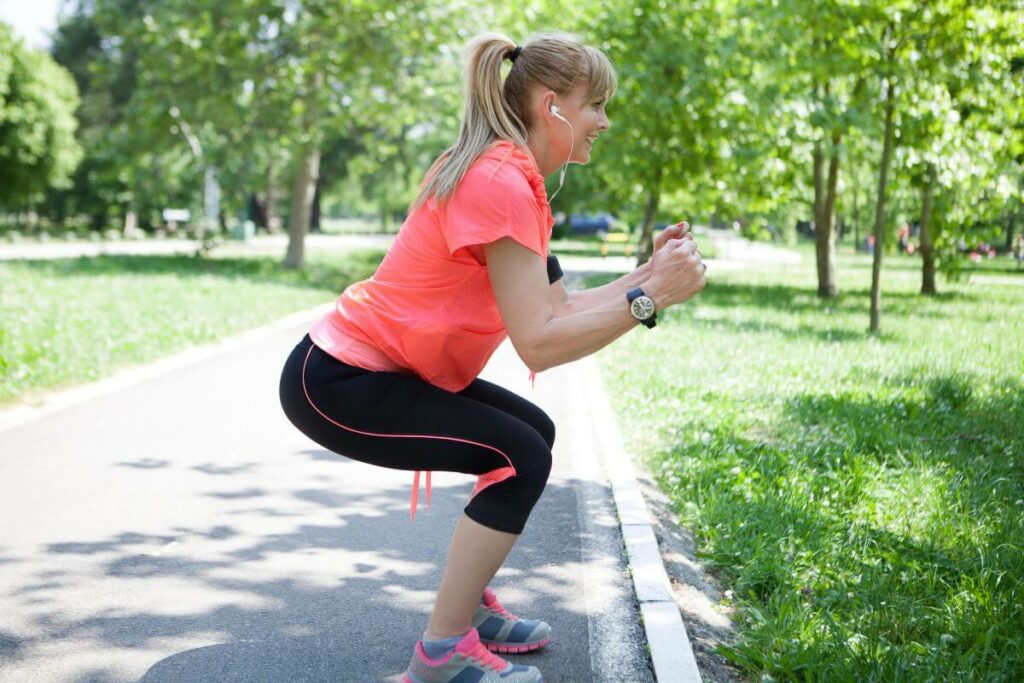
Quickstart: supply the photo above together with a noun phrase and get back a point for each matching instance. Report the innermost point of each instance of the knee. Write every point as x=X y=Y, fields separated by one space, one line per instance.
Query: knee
x=546 y=428
x=534 y=473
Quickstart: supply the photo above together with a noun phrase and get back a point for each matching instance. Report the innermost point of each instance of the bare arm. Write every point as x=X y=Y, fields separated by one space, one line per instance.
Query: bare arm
x=520 y=284
x=566 y=303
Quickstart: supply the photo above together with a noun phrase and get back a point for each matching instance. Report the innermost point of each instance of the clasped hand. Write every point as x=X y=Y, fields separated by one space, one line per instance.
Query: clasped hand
x=677 y=269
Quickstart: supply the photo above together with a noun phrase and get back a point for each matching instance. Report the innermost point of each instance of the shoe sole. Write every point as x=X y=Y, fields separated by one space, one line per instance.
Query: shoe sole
x=406 y=679
x=502 y=648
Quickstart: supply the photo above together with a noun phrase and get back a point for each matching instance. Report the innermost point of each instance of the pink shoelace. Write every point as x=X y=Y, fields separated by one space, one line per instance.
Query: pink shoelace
x=487 y=658
x=500 y=609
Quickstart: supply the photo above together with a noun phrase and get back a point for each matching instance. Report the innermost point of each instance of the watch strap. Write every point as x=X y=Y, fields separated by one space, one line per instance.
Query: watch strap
x=633 y=294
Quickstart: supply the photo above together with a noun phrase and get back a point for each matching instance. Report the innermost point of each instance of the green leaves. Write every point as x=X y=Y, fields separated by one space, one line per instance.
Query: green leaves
x=37 y=125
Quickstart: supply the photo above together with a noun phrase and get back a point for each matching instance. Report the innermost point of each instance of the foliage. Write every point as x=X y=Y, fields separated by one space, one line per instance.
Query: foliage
x=37 y=124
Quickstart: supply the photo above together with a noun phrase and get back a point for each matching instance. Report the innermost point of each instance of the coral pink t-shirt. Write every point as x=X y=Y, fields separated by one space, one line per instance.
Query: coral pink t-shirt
x=429 y=308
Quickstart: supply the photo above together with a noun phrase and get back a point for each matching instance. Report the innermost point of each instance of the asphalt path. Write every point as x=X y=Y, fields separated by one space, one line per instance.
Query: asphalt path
x=180 y=529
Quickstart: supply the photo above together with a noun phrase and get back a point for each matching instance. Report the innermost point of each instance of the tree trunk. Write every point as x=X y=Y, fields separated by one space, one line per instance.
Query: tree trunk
x=257 y=210
x=927 y=251
x=856 y=213
x=314 y=217
x=1011 y=226
x=306 y=175
x=302 y=204
x=130 y=224
x=824 y=237
x=271 y=198
x=646 y=247
x=819 y=182
x=883 y=181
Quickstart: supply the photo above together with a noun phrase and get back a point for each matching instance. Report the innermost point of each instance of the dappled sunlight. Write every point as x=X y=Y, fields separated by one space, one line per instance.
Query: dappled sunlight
x=857 y=494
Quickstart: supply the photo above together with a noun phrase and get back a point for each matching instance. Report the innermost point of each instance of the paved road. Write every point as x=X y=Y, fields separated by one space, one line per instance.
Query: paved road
x=733 y=252
x=264 y=244
x=181 y=529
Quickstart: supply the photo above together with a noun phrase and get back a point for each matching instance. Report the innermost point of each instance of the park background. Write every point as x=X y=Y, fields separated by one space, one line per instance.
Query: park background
x=843 y=435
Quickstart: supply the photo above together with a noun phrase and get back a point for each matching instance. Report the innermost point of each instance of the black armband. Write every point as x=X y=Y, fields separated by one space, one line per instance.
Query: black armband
x=554 y=270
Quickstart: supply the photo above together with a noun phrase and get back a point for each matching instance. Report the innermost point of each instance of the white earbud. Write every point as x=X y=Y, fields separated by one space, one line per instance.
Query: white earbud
x=572 y=134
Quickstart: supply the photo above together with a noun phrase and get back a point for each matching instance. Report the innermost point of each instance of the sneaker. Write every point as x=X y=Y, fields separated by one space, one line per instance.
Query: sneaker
x=502 y=631
x=469 y=661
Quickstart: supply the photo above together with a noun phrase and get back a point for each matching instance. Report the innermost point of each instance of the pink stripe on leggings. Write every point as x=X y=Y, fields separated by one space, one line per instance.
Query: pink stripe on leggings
x=485 y=480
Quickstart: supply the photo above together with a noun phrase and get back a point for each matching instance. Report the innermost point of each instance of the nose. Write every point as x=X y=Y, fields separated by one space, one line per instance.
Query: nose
x=604 y=123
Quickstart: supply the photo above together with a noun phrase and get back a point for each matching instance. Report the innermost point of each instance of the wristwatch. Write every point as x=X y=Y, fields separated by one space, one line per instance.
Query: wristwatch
x=642 y=307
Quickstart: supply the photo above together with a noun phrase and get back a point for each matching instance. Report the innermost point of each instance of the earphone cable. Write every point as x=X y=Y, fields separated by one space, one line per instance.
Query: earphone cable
x=561 y=176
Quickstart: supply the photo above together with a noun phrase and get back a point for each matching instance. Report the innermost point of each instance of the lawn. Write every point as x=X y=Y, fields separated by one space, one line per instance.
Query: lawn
x=76 y=320
x=862 y=497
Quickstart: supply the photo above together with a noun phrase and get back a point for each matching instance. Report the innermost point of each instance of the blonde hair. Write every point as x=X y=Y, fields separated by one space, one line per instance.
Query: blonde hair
x=501 y=111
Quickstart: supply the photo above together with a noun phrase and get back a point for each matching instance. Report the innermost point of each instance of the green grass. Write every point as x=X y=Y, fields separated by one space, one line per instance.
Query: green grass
x=76 y=320
x=862 y=497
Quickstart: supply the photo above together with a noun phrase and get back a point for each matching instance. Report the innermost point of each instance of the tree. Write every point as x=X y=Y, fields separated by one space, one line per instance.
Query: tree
x=253 y=78
x=815 y=53
x=672 y=100
x=37 y=124
x=958 y=128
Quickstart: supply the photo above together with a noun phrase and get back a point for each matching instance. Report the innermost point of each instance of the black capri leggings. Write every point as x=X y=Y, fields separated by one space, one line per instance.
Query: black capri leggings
x=400 y=421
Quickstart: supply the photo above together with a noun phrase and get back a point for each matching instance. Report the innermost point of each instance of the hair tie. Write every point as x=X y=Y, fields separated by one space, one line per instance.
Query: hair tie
x=514 y=53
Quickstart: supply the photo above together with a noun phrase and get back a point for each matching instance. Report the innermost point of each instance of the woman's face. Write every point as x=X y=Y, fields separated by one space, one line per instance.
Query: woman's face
x=588 y=119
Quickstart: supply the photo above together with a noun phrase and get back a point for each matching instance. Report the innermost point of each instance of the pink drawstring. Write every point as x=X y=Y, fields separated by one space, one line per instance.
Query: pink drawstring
x=413 y=504
x=482 y=482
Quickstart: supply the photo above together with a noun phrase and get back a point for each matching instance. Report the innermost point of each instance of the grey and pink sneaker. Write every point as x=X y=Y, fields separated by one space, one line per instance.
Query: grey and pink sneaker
x=502 y=631
x=469 y=662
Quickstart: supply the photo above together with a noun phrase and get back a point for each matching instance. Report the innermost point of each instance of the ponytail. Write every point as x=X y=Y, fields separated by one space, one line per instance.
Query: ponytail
x=495 y=110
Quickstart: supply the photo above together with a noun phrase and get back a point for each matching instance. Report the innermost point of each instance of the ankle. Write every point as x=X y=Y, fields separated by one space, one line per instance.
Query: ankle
x=443 y=635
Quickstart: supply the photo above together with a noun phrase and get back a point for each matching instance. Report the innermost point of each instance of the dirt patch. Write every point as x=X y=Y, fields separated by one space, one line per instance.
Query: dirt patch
x=697 y=593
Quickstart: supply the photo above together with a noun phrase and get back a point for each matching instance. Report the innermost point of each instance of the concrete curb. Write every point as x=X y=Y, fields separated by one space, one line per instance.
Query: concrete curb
x=58 y=400
x=671 y=652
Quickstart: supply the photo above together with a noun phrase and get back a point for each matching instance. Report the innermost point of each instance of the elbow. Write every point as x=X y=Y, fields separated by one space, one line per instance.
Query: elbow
x=535 y=360
x=536 y=355
x=539 y=367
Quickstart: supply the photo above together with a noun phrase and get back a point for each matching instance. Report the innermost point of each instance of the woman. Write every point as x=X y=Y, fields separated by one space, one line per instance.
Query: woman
x=389 y=376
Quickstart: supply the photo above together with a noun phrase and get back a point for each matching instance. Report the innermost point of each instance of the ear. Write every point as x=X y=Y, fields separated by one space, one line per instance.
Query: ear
x=548 y=99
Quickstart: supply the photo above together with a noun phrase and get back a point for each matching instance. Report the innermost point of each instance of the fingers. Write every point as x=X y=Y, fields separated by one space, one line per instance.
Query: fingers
x=685 y=243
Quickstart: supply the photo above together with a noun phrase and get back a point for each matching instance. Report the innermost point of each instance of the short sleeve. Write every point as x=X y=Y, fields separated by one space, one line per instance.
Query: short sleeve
x=493 y=201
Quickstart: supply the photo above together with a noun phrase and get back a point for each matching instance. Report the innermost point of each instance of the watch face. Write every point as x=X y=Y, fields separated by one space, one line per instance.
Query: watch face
x=642 y=307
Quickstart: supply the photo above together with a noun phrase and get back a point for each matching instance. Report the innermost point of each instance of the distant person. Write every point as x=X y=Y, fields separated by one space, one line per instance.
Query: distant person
x=389 y=376
x=1018 y=249
x=904 y=237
